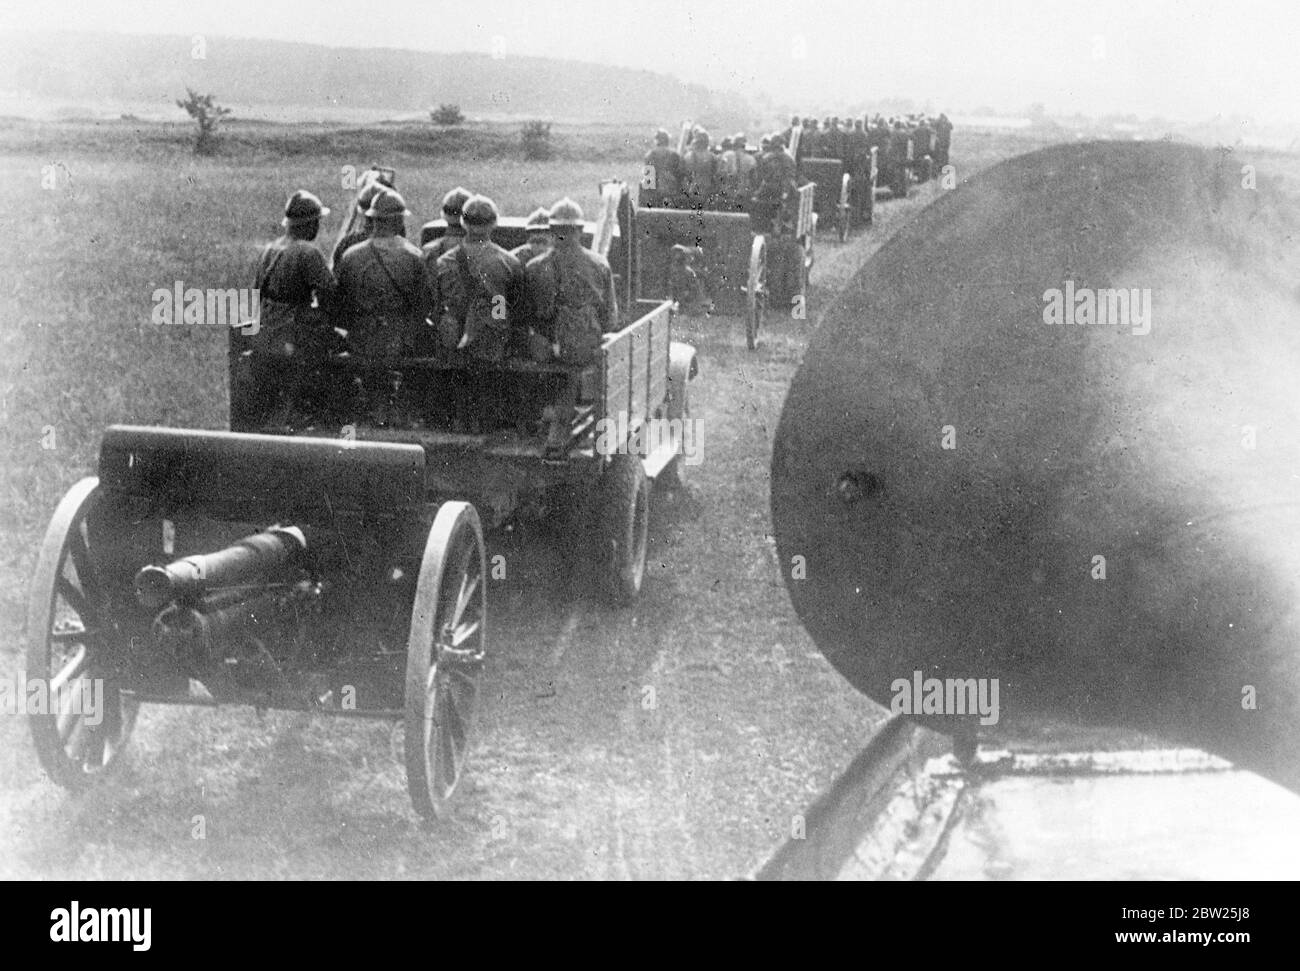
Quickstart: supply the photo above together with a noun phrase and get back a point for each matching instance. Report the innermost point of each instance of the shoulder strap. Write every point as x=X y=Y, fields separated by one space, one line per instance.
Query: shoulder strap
x=473 y=285
x=410 y=304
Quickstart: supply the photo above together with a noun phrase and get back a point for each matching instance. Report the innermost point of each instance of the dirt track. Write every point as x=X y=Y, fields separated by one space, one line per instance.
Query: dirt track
x=675 y=739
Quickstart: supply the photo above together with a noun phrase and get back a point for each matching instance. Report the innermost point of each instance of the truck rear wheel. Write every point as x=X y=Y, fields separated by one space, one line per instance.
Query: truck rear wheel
x=622 y=521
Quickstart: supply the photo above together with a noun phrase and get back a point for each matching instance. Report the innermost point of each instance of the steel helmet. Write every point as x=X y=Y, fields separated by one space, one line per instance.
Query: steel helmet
x=454 y=201
x=479 y=211
x=388 y=204
x=303 y=207
x=368 y=192
x=539 y=221
x=566 y=212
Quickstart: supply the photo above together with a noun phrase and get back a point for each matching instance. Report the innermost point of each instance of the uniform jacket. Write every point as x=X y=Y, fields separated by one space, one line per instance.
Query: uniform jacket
x=482 y=306
x=383 y=296
x=572 y=299
x=668 y=170
x=290 y=272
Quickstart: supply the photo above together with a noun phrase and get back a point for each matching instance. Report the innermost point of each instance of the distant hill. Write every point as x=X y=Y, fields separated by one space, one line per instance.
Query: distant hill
x=95 y=68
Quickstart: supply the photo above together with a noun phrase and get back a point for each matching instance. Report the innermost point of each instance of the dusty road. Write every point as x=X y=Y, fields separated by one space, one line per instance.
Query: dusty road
x=675 y=739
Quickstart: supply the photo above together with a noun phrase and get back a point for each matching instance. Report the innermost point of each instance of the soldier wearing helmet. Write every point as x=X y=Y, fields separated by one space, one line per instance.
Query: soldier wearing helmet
x=296 y=291
x=832 y=141
x=365 y=197
x=479 y=286
x=810 y=141
x=942 y=141
x=573 y=302
x=452 y=203
x=663 y=176
x=539 y=241
x=745 y=165
x=701 y=173
x=777 y=184
x=383 y=296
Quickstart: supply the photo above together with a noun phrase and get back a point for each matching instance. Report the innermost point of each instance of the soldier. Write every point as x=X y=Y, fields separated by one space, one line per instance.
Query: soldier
x=728 y=186
x=383 y=294
x=296 y=291
x=745 y=165
x=451 y=209
x=810 y=144
x=480 y=286
x=942 y=140
x=684 y=281
x=923 y=149
x=664 y=175
x=366 y=196
x=832 y=145
x=539 y=241
x=701 y=173
x=777 y=183
x=572 y=298
x=857 y=156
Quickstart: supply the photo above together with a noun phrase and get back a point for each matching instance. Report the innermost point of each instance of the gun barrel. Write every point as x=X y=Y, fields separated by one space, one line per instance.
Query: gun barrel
x=253 y=557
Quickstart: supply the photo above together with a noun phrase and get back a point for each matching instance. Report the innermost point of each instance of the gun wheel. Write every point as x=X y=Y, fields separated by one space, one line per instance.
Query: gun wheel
x=445 y=656
x=756 y=291
x=80 y=734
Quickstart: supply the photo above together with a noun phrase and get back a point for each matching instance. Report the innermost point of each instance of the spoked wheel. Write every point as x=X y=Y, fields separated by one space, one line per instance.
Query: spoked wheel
x=445 y=656
x=845 y=209
x=756 y=291
x=70 y=644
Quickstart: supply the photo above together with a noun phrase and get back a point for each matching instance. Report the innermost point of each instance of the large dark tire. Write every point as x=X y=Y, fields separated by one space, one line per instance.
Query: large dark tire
x=622 y=527
x=445 y=656
x=72 y=644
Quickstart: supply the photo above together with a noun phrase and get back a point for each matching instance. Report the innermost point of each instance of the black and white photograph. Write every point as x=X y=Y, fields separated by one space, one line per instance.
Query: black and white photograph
x=690 y=440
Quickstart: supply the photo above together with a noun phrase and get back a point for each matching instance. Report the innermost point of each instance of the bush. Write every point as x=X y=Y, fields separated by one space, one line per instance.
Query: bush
x=207 y=114
x=447 y=115
x=536 y=138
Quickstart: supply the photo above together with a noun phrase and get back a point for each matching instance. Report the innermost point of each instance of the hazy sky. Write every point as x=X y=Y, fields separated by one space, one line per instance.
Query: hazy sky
x=1181 y=58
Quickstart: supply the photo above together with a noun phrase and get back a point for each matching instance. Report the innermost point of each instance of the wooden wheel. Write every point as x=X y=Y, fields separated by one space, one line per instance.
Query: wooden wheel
x=756 y=291
x=445 y=656
x=71 y=644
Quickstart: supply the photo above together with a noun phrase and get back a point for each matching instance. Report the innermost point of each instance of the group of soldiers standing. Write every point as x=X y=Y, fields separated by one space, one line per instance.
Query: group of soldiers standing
x=461 y=298
x=732 y=176
x=916 y=141
x=727 y=177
